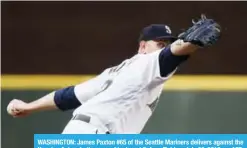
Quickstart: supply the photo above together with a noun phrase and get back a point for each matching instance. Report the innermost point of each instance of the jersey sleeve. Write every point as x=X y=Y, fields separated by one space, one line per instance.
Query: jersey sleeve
x=88 y=89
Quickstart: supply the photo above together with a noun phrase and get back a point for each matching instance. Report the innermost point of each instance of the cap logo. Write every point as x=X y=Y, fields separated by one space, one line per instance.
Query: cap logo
x=168 y=30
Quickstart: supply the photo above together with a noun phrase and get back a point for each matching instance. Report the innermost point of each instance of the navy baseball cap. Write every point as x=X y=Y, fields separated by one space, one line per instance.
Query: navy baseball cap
x=157 y=32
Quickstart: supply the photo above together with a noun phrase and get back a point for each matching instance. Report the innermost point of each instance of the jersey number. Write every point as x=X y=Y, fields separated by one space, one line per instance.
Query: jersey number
x=117 y=68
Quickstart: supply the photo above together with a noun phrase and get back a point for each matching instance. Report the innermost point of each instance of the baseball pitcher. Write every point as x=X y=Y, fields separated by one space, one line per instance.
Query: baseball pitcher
x=121 y=99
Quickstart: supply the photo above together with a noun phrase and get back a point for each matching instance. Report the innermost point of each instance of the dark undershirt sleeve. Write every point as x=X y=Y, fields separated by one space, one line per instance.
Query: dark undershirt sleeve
x=168 y=61
x=65 y=99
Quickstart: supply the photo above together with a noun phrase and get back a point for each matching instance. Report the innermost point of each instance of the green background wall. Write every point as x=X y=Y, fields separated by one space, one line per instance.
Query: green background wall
x=177 y=112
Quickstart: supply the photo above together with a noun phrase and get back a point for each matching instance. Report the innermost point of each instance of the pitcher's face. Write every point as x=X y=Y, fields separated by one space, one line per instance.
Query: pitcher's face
x=151 y=46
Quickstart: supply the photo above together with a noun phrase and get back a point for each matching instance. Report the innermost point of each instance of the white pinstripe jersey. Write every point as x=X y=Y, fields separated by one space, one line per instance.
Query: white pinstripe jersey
x=124 y=97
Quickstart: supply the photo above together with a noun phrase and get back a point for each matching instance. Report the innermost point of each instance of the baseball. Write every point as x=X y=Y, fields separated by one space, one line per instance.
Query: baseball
x=10 y=108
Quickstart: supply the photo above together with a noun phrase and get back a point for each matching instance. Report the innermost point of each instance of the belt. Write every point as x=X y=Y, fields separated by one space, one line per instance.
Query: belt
x=84 y=118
